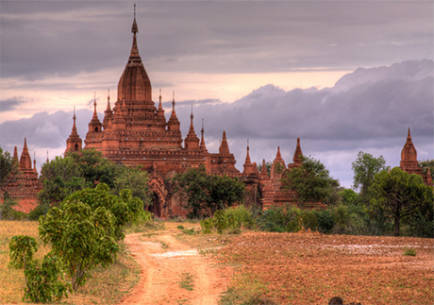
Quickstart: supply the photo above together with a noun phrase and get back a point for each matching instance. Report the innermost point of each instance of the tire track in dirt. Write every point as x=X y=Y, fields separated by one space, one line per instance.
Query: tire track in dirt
x=162 y=272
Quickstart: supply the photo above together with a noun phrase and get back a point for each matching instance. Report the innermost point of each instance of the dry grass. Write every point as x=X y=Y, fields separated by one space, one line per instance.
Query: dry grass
x=106 y=286
x=310 y=268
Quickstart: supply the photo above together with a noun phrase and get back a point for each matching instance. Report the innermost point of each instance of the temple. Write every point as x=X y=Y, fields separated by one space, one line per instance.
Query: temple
x=409 y=161
x=135 y=133
x=24 y=185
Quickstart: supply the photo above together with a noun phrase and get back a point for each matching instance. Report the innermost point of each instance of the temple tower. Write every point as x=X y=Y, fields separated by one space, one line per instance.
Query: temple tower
x=74 y=142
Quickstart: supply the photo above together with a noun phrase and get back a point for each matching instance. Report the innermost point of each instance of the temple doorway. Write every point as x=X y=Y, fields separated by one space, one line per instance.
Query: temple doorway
x=155 y=206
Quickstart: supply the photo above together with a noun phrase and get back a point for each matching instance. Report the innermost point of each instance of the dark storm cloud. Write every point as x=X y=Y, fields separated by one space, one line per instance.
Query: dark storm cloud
x=44 y=130
x=42 y=38
x=10 y=104
x=367 y=104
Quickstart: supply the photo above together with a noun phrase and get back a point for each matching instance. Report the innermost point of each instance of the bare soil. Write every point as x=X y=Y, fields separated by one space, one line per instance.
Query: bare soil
x=165 y=260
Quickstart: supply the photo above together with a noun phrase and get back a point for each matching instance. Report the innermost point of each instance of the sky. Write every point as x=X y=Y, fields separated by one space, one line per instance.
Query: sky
x=345 y=76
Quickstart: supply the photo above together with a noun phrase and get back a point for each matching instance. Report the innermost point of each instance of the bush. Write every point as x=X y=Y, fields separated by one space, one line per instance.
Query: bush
x=220 y=221
x=206 y=225
x=42 y=281
x=7 y=212
x=310 y=220
x=21 y=250
x=39 y=211
x=278 y=219
x=325 y=221
x=410 y=252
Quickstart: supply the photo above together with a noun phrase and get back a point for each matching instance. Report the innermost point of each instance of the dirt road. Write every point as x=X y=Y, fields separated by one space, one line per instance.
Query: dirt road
x=172 y=272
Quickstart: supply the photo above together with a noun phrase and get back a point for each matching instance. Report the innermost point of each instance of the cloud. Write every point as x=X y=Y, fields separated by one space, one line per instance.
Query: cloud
x=367 y=110
x=40 y=38
x=10 y=104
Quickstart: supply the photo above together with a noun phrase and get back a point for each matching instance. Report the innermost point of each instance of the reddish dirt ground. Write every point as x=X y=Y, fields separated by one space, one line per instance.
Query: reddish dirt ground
x=310 y=268
x=164 y=261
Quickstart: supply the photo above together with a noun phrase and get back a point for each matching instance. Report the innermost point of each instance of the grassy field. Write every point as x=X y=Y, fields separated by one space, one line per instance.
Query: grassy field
x=106 y=286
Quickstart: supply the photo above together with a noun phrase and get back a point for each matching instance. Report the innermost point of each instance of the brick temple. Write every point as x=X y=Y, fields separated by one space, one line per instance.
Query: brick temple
x=135 y=132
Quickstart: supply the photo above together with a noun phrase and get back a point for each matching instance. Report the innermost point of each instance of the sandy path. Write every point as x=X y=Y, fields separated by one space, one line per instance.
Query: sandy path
x=163 y=270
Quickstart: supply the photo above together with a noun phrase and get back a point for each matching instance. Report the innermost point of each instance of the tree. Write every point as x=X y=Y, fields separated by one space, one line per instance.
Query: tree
x=365 y=167
x=134 y=179
x=224 y=192
x=401 y=196
x=311 y=182
x=194 y=184
x=7 y=168
x=21 y=250
x=125 y=208
x=81 y=237
x=207 y=193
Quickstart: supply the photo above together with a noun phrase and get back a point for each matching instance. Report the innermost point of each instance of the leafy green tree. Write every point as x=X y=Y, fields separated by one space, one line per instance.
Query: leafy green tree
x=365 y=168
x=76 y=171
x=194 y=185
x=60 y=177
x=224 y=192
x=7 y=211
x=348 y=197
x=7 y=168
x=83 y=237
x=134 y=179
x=207 y=193
x=44 y=283
x=311 y=181
x=125 y=208
x=21 y=250
x=401 y=196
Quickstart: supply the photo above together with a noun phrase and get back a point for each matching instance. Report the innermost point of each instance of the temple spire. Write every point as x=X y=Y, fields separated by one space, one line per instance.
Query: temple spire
x=34 y=162
x=202 y=138
x=108 y=100
x=134 y=30
x=160 y=102
x=74 y=126
x=247 y=162
x=15 y=158
x=25 y=160
x=224 y=147
x=298 y=154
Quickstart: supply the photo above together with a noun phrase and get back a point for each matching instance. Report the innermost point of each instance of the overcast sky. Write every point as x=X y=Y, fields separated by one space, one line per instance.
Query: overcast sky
x=343 y=75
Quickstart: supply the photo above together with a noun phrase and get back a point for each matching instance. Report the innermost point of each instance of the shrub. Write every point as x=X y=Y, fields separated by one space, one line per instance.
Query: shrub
x=272 y=220
x=410 y=252
x=21 y=250
x=40 y=210
x=220 y=221
x=310 y=220
x=206 y=225
x=83 y=237
x=42 y=281
x=325 y=221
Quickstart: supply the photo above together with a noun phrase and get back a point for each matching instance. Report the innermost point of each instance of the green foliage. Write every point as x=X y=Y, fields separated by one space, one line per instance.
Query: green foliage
x=219 y=221
x=44 y=282
x=125 y=208
x=279 y=219
x=365 y=167
x=312 y=182
x=134 y=179
x=7 y=167
x=81 y=235
x=186 y=281
x=348 y=197
x=205 y=194
x=409 y=252
x=402 y=197
x=21 y=250
x=6 y=209
x=206 y=225
x=39 y=211
x=224 y=192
